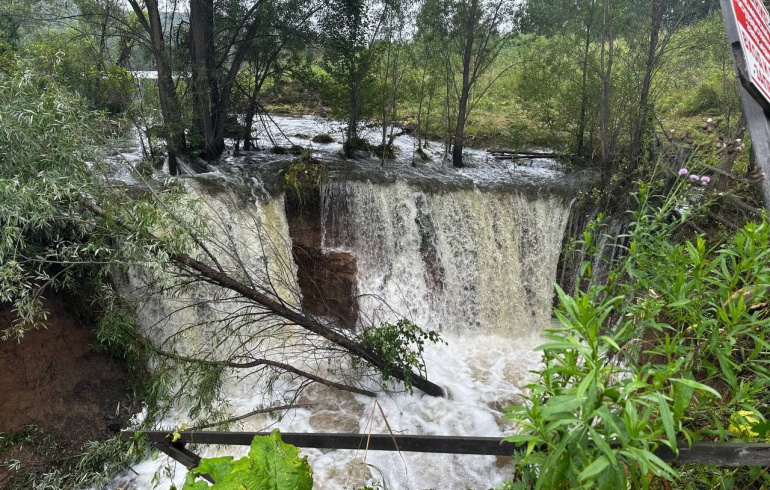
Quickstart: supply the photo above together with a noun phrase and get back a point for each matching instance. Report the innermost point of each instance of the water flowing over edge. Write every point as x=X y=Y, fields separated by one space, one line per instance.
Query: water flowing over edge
x=476 y=264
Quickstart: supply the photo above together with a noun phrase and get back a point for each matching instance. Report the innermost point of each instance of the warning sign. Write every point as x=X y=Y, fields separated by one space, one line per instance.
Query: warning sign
x=754 y=30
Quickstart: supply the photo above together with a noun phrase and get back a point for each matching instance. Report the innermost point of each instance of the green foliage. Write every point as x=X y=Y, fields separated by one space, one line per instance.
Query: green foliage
x=44 y=140
x=50 y=168
x=401 y=346
x=270 y=465
x=76 y=65
x=670 y=351
x=94 y=466
x=304 y=173
x=7 y=59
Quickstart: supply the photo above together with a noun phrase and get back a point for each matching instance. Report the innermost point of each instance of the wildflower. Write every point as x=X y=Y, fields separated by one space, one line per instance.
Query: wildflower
x=683 y=171
x=705 y=180
x=742 y=422
x=694 y=177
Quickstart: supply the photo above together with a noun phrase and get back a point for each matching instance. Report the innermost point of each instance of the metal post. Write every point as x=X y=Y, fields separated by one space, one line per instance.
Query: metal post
x=754 y=104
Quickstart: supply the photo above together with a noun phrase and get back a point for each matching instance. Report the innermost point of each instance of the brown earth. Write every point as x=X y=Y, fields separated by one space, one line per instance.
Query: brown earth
x=327 y=279
x=54 y=380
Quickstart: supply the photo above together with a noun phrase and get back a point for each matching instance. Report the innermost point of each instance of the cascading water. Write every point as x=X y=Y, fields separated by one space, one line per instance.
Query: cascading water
x=462 y=261
x=472 y=254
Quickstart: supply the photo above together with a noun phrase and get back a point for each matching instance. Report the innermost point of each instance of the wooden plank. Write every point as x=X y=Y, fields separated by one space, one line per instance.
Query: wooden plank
x=752 y=101
x=704 y=453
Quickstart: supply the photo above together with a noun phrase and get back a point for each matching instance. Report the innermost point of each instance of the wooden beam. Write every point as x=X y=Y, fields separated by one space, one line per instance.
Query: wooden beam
x=703 y=453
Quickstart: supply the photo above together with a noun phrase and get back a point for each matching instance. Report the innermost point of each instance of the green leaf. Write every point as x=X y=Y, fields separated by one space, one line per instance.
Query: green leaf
x=761 y=428
x=668 y=420
x=680 y=303
x=270 y=465
x=594 y=468
x=560 y=404
x=697 y=386
x=216 y=468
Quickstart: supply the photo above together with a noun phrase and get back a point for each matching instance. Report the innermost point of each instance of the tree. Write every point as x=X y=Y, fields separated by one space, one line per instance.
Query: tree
x=167 y=96
x=474 y=33
x=220 y=36
x=349 y=31
x=283 y=33
x=393 y=69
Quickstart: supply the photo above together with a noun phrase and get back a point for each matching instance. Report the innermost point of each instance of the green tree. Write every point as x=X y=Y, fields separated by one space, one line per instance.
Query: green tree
x=349 y=31
x=473 y=33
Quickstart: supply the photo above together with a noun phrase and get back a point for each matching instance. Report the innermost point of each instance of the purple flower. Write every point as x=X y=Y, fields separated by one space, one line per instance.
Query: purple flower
x=705 y=180
x=694 y=177
x=683 y=171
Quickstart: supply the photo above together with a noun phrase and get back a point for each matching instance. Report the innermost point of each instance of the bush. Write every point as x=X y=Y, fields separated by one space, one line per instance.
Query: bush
x=322 y=138
x=671 y=351
x=304 y=173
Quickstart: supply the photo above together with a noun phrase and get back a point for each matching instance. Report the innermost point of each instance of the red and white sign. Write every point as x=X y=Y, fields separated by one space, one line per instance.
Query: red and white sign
x=754 y=30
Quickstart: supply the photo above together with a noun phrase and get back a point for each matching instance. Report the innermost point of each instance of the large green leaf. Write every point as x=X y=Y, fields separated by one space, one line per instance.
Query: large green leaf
x=270 y=465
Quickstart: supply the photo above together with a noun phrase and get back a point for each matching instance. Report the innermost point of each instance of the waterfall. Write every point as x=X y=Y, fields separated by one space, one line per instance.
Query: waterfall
x=477 y=265
x=458 y=261
x=251 y=242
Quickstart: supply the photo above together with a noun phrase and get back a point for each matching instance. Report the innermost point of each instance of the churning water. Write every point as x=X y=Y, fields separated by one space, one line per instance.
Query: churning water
x=471 y=253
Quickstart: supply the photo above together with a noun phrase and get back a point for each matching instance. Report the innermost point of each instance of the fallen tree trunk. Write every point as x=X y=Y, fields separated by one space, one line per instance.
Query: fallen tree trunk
x=221 y=279
x=305 y=322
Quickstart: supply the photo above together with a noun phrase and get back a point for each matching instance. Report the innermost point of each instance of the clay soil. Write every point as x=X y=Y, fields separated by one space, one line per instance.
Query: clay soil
x=54 y=380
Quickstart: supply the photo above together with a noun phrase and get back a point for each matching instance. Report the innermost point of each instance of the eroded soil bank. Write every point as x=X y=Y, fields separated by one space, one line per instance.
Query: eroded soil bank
x=54 y=380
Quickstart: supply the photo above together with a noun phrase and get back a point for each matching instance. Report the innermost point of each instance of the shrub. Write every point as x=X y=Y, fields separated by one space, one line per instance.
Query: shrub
x=401 y=346
x=322 y=138
x=671 y=351
x=304 y=173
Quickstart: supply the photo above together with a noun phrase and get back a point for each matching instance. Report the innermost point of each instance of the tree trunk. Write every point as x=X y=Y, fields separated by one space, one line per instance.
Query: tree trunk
x=606 y=74
x=351 y=135
x=169 y=106
x=277 y=307
x=201 y=54
x=419 y=109
x=462 y=112
x=652 y=61
x=584 y=85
